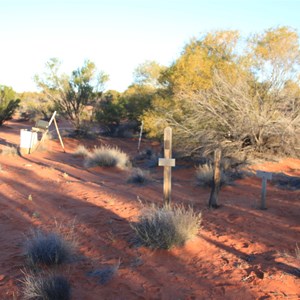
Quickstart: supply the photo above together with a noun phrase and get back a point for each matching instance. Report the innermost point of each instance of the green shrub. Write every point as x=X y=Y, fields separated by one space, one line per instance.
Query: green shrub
x=49 y=287
x=47 y=249
x=8 y=103
x=107 y=157
x=163 y=228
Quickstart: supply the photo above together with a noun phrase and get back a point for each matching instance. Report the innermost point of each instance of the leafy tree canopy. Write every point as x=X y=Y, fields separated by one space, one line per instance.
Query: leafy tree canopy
x=71 y=94
x=8 y=103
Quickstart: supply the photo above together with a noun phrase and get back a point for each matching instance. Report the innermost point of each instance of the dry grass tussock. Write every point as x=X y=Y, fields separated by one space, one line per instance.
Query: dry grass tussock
x=81 y=150
x=106 y=156
x=45 y=287
x=205 y=173
x=104 y=275
x=9 y=151
x=49 y=248
x=138 y=176
x=163 y=228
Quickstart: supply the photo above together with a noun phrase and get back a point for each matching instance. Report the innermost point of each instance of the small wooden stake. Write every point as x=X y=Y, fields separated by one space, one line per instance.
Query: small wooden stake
x=264 y=176
x=47 y=130
x=140 y=137
x=213 y=199
x=167 y=163
x=60 y=139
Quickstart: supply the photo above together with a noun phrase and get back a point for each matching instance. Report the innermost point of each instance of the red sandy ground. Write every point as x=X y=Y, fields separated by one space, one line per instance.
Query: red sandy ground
x=241 y=252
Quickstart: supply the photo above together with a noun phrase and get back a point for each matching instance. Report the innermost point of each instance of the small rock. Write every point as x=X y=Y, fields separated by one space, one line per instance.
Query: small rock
x=2 y=277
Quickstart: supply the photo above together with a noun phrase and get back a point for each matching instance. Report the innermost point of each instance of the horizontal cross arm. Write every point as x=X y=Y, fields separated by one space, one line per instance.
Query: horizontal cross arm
x=166 y=162
x=264 y=174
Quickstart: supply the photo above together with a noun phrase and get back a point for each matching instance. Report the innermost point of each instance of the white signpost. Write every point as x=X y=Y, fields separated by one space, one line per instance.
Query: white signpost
x=167 y=162
x=264 y=176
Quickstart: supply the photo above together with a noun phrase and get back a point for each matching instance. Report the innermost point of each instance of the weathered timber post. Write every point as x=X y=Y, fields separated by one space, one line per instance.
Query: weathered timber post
x=264 y=176
x=140 y=137
x=167 y=162
x=213 y=199
x=59 y=136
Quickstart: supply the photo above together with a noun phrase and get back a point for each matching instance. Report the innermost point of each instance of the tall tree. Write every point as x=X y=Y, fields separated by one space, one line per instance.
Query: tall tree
x=148 y=74
x=72 y=93
x=224 y=98
x=275 y=56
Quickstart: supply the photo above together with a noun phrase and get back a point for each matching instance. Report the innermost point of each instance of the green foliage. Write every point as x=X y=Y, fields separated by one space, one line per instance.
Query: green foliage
x=166 y=227
x=275 y=55
x=8 y=103
x=109 y=110
x=219 y=95
x=35 y=106
x=148 y=74
x=155 y=118
x=135 y=100
x=71 y=94
x=193 y=70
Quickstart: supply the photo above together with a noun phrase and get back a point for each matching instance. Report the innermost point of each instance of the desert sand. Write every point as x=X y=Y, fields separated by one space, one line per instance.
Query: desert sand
x=241 y=252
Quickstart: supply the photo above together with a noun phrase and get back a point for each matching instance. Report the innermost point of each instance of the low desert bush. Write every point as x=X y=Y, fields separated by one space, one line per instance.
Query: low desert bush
x=163 y=228
x=81 y=151
x=138 y=176
x=149 y=157
x=47 y=249
x=9 y=151
x=105 y=274
x=107 y=157
x=45 y=287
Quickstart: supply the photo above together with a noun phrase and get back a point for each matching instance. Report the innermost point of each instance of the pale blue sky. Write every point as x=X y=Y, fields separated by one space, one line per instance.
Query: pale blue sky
x=118 y=35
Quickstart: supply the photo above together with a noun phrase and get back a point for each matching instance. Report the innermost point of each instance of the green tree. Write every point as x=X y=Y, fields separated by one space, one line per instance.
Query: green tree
x=8 y=103
x=135 y=100
x=217 y=96
x=148 y=74
x=275 y=56
x=109 y=110
x=71 y=94
x=194 y=69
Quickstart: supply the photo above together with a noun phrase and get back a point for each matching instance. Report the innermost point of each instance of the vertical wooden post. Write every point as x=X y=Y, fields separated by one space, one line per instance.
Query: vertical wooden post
x=264 y=176
x=213 y=199
x=167 y=162
x=140 y=137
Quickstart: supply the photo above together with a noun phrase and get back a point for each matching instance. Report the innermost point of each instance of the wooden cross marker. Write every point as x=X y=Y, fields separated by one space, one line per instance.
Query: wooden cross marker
x=264 y=176
x=167 y=162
